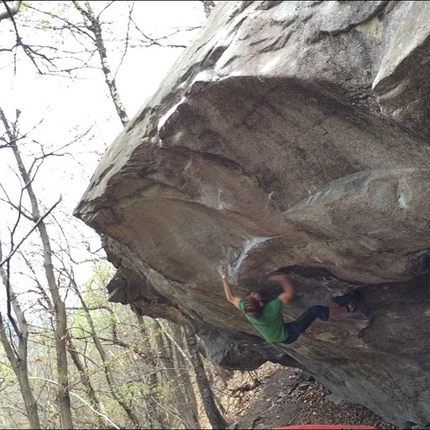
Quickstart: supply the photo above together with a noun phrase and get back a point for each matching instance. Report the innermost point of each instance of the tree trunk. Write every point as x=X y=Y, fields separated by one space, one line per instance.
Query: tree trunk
x=19 y=366
x=215 y=418
x=18 y=357
x=60 y=309
x=178 y=392
x=83 y=371
x=184 y=372
x=106 y=367
x=96 y=28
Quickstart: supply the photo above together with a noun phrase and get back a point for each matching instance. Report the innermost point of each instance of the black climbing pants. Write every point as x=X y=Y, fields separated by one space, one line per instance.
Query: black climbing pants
x=299 y=326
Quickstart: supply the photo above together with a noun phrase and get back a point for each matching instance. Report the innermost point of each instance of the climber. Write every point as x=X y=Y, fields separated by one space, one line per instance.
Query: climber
x=267 y=317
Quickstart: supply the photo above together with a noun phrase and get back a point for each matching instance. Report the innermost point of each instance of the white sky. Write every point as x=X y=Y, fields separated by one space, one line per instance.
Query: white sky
x=64 y=107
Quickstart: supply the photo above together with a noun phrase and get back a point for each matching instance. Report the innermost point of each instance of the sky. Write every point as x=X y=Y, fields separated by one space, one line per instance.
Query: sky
x=64 y=106
x=55 y=110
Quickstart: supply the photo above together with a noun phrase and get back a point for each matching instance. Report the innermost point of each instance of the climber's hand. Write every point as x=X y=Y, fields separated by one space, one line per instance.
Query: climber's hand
x=223 y=270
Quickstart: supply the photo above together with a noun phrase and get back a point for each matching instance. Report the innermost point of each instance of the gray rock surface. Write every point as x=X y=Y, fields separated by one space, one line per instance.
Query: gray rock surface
x=290 y=136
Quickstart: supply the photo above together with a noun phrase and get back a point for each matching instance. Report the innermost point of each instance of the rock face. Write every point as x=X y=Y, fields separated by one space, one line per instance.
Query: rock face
x=290 y=136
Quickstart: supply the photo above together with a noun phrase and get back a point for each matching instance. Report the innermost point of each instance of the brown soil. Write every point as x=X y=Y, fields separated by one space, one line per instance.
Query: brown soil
x=275 y=396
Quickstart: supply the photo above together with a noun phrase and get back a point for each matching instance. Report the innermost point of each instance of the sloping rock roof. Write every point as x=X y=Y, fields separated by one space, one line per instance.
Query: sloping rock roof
x=290 y=136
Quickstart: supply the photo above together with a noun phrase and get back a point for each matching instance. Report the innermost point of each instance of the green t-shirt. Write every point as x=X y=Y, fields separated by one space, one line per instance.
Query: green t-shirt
x=271 y=322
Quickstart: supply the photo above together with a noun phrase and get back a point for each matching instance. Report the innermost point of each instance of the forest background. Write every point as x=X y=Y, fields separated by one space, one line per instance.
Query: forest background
x=72 y=74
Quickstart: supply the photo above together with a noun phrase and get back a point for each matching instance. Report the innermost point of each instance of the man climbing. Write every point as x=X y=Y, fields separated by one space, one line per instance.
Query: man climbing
x=267 y=318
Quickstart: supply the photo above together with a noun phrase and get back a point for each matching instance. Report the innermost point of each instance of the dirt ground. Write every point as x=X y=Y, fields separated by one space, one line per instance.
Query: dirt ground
x=275 y=396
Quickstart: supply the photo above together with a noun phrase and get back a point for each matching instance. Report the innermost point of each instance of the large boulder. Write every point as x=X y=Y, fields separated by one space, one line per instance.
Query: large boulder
x=290 y=136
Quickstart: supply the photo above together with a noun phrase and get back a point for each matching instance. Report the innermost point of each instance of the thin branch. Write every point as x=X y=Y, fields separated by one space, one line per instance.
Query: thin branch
x=80 y=398
x=31 y=231
x=5 y=275
x=27 y=49
x=17 y=208
x=156 y=41
x=127 y=39
x=178 y=347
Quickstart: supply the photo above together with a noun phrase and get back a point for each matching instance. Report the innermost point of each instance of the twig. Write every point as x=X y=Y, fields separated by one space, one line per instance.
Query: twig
x=81 y=399
x=29 y=233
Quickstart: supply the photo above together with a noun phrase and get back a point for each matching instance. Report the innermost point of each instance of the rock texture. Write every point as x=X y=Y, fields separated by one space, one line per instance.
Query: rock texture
x=290 y=136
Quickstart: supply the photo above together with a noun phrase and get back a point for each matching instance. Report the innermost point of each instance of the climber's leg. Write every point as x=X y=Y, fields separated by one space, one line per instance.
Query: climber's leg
x=310 y=315
x=297 y=327
x=293 y=333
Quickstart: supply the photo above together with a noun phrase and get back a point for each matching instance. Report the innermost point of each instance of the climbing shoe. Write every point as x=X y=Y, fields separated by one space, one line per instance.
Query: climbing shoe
x=343 y=300
x=354 y=301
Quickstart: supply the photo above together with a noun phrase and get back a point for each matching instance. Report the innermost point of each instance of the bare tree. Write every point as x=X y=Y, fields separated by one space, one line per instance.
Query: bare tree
x=90 y=41
x=215 y=418
x=153 y=404
x=91 y=29
x=184 y=370
x=75 y=355
x=174 y=372
x=17 y=351
x=94 y=25
x=13 y=136
x=105 y=361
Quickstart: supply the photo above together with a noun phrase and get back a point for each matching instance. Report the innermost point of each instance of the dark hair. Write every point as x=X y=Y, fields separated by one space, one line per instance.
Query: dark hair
x=252 y=307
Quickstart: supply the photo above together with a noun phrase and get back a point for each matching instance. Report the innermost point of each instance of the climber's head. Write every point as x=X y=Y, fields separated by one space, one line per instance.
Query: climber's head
x=253 y=305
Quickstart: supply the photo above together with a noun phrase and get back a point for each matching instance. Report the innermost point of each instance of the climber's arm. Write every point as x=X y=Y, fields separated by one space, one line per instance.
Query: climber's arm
x=288 y=290
x=227 y=289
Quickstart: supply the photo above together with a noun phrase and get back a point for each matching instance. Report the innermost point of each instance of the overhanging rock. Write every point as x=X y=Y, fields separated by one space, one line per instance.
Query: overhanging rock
x=290 y=136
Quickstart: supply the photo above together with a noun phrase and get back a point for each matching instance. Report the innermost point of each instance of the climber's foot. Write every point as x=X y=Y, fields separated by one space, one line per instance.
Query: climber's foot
x=345 y=299
x=354 y=300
